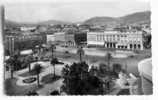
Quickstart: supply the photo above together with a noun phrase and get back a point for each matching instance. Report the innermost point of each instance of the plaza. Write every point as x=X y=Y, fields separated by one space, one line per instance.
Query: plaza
x=69 y=59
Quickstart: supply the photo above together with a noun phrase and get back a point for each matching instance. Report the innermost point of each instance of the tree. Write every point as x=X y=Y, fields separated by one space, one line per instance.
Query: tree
x=53 y=62
x=78 y=81
x=38 y=69
x=126 y=67
x=109 y=57
x=38 y=47
x=32 y=93
x=117 y=68
x=28 y=61
x=52 y=49
x=93 y=71
x=13 y=64
x=103 y=68
x=80 y=52
x=147 y=40
x=55 y=92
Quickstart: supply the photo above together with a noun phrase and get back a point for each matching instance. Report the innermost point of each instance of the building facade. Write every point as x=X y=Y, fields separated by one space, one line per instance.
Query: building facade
x=62 y=38
x=116 y=39
x=50 y=39
x=22 y=42
x=70 y=40
x=9 y=44
x=59 y=36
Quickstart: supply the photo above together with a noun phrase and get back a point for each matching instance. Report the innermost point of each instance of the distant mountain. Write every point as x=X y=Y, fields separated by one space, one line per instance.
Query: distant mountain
x=9 y=23
x=128 y=19
x=138 y=17
x=53 y=22
x=12 y=23
x=100 y=20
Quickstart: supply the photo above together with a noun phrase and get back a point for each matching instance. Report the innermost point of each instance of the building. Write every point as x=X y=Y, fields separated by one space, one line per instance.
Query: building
x=59 y=36
x=70 y=40
x=22 y=42
x=116 y=39
x=62 y=38
x=67 y=39
x=9 y=44
x=56 y=38
x=25 y=28
x=50 y=39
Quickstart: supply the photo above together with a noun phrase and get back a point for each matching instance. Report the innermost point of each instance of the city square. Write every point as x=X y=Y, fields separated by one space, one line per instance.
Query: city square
x=94 y=57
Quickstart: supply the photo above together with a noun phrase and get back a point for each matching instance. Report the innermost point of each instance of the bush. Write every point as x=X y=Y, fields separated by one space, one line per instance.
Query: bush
x=32 y=93
x=103 y=68
x=55 y=92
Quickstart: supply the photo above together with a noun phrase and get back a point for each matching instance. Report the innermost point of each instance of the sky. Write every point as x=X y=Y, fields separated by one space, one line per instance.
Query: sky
x=72 y=11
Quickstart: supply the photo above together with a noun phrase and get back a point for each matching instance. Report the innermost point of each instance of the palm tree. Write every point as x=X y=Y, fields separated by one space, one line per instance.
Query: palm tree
x=109 y=57
x=10 y=62
x=38 y=48
x=126 y=67
x=53 y=62
x=38 y=68
x=80 y=52
x=52 y=49
x=28 y=61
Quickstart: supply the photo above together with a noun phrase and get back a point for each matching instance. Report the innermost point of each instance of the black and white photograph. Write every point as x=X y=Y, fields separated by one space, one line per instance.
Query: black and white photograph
x=76 y=48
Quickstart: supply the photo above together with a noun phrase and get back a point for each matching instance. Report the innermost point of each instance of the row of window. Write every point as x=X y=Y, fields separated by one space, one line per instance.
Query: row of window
x=99 y=38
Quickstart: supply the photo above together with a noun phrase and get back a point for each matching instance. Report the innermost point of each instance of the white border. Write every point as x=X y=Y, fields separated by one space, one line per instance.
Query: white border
x=154 y=25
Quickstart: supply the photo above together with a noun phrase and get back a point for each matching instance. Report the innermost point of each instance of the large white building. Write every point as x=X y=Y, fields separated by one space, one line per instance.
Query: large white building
x=116 y=39
x=61 y=37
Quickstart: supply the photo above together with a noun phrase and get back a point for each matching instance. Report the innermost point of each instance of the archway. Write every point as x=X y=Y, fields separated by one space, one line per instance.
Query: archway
x=135 y=46
x=131 y=46
x=139 y=46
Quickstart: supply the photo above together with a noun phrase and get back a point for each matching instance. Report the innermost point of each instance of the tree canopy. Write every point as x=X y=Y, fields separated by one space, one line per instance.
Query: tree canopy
x=78 y=81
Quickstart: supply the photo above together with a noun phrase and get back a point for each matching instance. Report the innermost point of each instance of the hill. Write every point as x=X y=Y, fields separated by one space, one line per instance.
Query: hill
x=13 y=24
x=100 y=20
x=138 y=17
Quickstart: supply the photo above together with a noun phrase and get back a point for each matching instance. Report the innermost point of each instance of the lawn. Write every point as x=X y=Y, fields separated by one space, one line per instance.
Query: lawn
x=50 y=78
x=12 y=89
x=26 y=74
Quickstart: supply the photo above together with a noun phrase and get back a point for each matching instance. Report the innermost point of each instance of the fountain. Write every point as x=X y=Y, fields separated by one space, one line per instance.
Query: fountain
x=29 y=80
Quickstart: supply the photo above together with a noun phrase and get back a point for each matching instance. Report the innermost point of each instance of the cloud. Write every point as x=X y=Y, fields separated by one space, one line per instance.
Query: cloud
x=71 y=11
